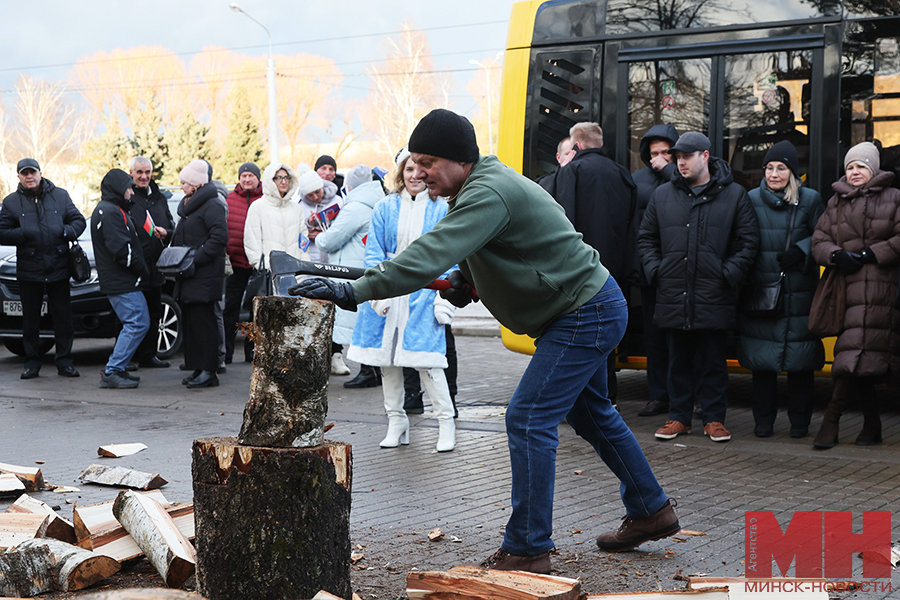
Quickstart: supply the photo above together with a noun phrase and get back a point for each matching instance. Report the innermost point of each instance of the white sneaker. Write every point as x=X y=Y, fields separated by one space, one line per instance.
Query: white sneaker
x=337 y=365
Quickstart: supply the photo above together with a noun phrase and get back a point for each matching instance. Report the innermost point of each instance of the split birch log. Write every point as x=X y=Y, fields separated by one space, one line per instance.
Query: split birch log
x=99 y=530
x=31 y=477
x=10 y=484
x=120 y=476
x=474 y=583
x=26 y=573
x=73 y=568
x=58 y=527
x=323 y=595
x=16 y=528
x=155 y=533
x=720 y=593
x=291 y=366
x=120 y=450
x=91 y=519
x=271 y=522
x=142 y=594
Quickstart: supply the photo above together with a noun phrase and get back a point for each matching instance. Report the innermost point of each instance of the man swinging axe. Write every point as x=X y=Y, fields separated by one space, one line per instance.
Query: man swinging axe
x=514 y=244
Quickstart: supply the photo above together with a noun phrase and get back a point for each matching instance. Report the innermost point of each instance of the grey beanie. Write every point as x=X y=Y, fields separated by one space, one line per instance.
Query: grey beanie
x=866 y=154
x=357 y=176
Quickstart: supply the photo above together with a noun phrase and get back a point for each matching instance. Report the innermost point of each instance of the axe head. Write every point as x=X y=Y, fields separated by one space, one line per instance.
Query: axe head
x=283 y=263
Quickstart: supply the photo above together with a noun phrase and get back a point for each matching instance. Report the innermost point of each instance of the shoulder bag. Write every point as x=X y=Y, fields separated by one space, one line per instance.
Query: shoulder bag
x=259 y=284
x=175 y=261
x=79 y=266
x=765 y=300
x=826 y=313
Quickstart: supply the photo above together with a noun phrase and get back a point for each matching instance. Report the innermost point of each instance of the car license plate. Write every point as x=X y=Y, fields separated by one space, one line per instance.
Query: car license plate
x=13 y=308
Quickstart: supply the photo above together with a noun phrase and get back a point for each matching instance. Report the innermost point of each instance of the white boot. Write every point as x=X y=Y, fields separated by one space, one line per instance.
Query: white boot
x=337 y=365
x=446 y=435
x=397 y=433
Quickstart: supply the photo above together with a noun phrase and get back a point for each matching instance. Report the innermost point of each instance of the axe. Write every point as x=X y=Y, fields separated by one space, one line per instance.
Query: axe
x=283 y=263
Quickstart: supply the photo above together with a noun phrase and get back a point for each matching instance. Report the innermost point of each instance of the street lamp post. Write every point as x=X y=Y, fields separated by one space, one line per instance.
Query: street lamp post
x=270 y=80
x=487 y=75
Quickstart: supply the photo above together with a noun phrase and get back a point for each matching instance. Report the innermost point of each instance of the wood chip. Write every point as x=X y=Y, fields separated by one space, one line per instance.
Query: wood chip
x=435 y=534
x=691 y=532
x=120 y=450
x=355 y=557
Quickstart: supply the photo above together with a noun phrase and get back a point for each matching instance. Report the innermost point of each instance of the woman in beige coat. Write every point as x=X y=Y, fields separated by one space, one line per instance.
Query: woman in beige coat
x=859 y=235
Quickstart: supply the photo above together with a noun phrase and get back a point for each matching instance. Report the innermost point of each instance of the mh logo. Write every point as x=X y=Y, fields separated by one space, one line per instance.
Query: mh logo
x=822 y=542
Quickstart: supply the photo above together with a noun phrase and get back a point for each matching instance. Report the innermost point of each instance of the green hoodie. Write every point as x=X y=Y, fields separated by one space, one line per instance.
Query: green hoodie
x=511 y=240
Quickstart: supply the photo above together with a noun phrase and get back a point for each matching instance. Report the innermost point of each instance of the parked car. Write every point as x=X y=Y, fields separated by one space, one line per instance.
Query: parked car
x=92 y=315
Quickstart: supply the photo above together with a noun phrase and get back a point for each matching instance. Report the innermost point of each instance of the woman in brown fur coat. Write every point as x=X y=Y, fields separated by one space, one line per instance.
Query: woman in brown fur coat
x=859 y=234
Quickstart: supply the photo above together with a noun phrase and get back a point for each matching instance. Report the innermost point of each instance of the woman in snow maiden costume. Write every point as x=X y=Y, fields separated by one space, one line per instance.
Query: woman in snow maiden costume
x=406 y=331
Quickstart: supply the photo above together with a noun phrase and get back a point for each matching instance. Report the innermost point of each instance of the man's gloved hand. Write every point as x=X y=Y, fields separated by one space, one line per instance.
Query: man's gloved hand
x=792 y=259
x=846 y=263
x=867 y=257
x=321 y=288
x=460 y=292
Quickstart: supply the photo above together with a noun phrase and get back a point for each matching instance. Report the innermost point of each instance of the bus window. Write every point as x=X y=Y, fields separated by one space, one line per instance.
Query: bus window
x=675 y=92
x=766 y=101
x=870 y=96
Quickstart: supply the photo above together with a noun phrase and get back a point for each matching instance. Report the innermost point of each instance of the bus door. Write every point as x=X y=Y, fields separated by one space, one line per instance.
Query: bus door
x=745 y=95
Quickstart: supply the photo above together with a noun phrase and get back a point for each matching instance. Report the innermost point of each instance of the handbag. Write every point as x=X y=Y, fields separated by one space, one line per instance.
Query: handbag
x=826 y=314
x=175 y=261
x=764 y=299
x=79 y=266
x=259 y=284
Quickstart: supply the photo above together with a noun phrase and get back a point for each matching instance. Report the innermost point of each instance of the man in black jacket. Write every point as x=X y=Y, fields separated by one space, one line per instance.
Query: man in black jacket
x=697 y=241
x=599 y=198
x=660 y=169
x=40 y=220
x=122 y=271
x=153 y=220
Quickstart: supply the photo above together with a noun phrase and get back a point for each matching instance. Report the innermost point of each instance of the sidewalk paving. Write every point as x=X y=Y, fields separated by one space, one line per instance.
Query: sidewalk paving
x=399 y=495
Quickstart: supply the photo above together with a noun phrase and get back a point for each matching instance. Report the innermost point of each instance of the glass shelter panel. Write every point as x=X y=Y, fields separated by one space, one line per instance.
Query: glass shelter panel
x=767 y=99
x=674 y=92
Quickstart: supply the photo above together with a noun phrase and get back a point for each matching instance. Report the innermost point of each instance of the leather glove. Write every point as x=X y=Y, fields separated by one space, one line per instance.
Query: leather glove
x=320 y=288
x=792 y=259
x=443 y=310
x=460 y=292
x=867 y=257
x=846 y=263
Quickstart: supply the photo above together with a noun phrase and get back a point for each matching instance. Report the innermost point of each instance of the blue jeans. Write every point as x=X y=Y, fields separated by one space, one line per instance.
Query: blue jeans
x=566 y=379
x=131 y=308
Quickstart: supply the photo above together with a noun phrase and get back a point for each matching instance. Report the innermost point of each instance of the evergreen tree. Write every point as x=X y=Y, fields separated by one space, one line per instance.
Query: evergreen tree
x=148 y=136
x=243 y=143
x=186 y=141
x=112 y=150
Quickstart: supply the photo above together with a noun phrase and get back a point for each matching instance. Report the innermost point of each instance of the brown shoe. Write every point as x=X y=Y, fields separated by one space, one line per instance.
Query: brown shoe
x=502 y=560
x=634 y=532
x=716 y=432
x=671 y=430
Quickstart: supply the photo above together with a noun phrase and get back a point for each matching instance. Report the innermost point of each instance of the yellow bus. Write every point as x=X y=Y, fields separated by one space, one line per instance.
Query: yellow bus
x=746 y=73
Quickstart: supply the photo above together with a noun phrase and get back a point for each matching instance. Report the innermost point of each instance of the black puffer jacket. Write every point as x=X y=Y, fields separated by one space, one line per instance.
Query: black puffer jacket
x=151 y=200
x=203 y=226
x=41 y=226
x=697 y=249
x=599 y=198
x=117 y=245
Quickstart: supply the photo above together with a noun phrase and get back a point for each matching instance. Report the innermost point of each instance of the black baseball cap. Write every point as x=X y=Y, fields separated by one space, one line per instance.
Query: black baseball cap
x=27 y=163
x=692 y=141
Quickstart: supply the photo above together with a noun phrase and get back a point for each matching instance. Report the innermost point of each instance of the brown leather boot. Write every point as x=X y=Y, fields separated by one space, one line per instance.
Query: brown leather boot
x=871 y=431
x=829 y=430
x=634 y=532
x=501 y=560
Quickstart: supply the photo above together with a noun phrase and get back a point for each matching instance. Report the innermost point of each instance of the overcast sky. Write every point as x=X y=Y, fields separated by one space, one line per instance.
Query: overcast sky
x=59 y=32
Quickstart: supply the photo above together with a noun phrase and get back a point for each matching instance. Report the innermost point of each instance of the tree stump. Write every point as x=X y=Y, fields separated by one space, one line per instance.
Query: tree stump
x=272 y=523
x=291 y=366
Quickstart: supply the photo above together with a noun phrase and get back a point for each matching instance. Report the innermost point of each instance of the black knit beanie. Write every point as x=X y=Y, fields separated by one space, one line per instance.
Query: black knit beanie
x=249 y=167
x=785 y=152
x=445 y=134
x=324 y=160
